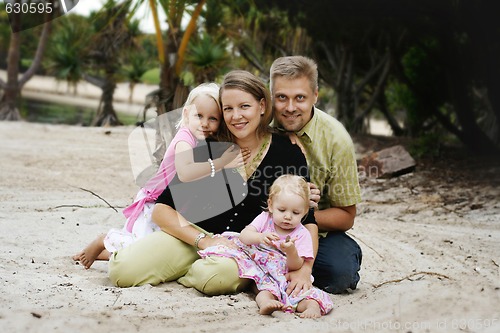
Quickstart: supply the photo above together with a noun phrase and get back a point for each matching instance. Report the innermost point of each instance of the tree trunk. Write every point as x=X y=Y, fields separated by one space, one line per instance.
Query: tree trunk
x=10 y=99
x=106 y=115
x=461 y=96
x=393 y=123
x=473 y=137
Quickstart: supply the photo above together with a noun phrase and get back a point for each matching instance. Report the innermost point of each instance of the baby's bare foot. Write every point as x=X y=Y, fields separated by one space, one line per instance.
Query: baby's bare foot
x=269 y=306
x=312 y=310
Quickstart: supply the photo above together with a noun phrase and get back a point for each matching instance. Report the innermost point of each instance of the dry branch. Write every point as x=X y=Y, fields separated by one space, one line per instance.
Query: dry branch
x=408 y=277
x=83 y=189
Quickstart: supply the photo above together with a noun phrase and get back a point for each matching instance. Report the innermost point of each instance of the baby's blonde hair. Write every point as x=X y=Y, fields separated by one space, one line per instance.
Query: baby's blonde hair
x=290 y=183
x=208 y=89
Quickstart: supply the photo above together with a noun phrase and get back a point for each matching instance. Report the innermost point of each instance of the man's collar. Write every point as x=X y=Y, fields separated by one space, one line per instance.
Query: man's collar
x=308 y=130
x=305 y=132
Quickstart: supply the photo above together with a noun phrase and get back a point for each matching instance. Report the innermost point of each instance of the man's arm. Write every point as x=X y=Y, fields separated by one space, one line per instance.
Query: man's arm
x=336 y=218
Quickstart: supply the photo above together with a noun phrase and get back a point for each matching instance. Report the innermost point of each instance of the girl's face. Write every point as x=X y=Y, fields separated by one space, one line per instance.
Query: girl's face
x=242 y=112
x=287 y=210
x=203 y=117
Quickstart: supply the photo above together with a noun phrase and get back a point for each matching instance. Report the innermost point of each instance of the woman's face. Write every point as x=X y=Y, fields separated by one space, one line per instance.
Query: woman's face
x=241 y=112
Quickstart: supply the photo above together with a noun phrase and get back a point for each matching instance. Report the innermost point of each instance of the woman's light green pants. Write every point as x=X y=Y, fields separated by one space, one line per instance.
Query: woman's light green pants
x=160 y=257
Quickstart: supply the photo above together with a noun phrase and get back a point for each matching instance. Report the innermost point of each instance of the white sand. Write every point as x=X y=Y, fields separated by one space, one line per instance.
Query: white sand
x=432 y=236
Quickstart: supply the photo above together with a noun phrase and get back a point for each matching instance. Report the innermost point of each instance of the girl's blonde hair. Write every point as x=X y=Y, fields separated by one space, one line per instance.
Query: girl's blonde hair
x=251 y=84
x=291 y=184
x=208 y=89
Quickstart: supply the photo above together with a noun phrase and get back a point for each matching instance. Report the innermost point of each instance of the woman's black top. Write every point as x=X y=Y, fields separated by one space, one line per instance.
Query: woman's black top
x=226 y=202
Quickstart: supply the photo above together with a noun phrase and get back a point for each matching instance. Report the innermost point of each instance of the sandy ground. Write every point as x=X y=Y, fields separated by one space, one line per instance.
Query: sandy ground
x=430 y=239
x=431 y=244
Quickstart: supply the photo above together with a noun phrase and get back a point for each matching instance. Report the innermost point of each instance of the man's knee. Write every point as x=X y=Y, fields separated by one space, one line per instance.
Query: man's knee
x=337 y=264
x=214 y=276
x=335 y=281
x=336 y=277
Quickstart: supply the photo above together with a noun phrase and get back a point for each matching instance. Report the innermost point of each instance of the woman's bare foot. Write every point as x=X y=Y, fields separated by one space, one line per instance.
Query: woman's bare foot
x=309 y=308
x=269 y=306
x=94 y=251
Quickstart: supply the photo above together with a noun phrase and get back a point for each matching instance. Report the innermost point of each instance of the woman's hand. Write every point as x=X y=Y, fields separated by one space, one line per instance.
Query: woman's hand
x=214 y=241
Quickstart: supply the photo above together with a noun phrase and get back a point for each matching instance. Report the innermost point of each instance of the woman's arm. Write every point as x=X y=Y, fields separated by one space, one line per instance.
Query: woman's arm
x=173 y=223
x=188 y=170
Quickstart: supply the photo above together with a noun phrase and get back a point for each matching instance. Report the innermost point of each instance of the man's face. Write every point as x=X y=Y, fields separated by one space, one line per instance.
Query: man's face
x=293 y=102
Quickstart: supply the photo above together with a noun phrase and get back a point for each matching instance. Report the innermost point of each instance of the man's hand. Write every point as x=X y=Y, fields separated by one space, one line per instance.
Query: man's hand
x=299 y=281
x=314 y=195
x=294 y=139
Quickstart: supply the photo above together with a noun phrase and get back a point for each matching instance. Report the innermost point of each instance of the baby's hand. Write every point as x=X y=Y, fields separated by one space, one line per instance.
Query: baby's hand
x=288 y=244
x=268 y=238
x=235 y=158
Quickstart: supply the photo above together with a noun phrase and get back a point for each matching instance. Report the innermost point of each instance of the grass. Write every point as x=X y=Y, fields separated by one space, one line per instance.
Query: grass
x=43 y=112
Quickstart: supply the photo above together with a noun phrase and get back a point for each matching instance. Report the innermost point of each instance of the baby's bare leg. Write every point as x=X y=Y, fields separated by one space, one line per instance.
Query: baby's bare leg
x=94 y=251
x=267 y=303
x=308 y=308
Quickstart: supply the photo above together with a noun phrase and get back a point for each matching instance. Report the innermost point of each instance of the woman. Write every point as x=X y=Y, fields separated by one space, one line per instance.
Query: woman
x=172 y=253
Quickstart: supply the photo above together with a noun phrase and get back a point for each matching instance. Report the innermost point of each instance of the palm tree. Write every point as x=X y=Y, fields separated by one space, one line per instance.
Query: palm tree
x=137 y=64
x=172 y=50
x=172 y=47
x=206 y=57
x=106 y=47
x=66 y=53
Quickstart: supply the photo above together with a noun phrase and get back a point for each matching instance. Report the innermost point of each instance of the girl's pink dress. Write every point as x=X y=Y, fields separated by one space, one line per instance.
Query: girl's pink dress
x=266 y=265
x=138 y=214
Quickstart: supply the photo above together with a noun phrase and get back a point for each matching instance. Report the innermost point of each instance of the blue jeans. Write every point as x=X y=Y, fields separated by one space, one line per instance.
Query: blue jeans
x=337 y=263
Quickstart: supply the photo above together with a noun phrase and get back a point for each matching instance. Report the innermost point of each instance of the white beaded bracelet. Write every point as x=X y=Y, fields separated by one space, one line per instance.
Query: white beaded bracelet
x=198 y=238
x=212 y=167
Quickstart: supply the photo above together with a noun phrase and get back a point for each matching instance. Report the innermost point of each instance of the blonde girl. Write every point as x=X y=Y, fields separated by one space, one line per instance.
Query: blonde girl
x=200 y=119
x=275 y=243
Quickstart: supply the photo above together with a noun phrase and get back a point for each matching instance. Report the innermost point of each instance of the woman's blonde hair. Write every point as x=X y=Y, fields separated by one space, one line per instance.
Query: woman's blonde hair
x=290 y=184
x=249 y=83
x=208 y=89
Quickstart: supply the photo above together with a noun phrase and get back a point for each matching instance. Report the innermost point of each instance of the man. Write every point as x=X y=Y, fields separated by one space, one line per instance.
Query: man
x=331 y=159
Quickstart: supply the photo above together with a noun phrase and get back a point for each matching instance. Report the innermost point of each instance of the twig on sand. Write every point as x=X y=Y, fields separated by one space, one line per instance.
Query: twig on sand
x=84 y=189
x=408 y=277
x=371 y=248
x=65 y=206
